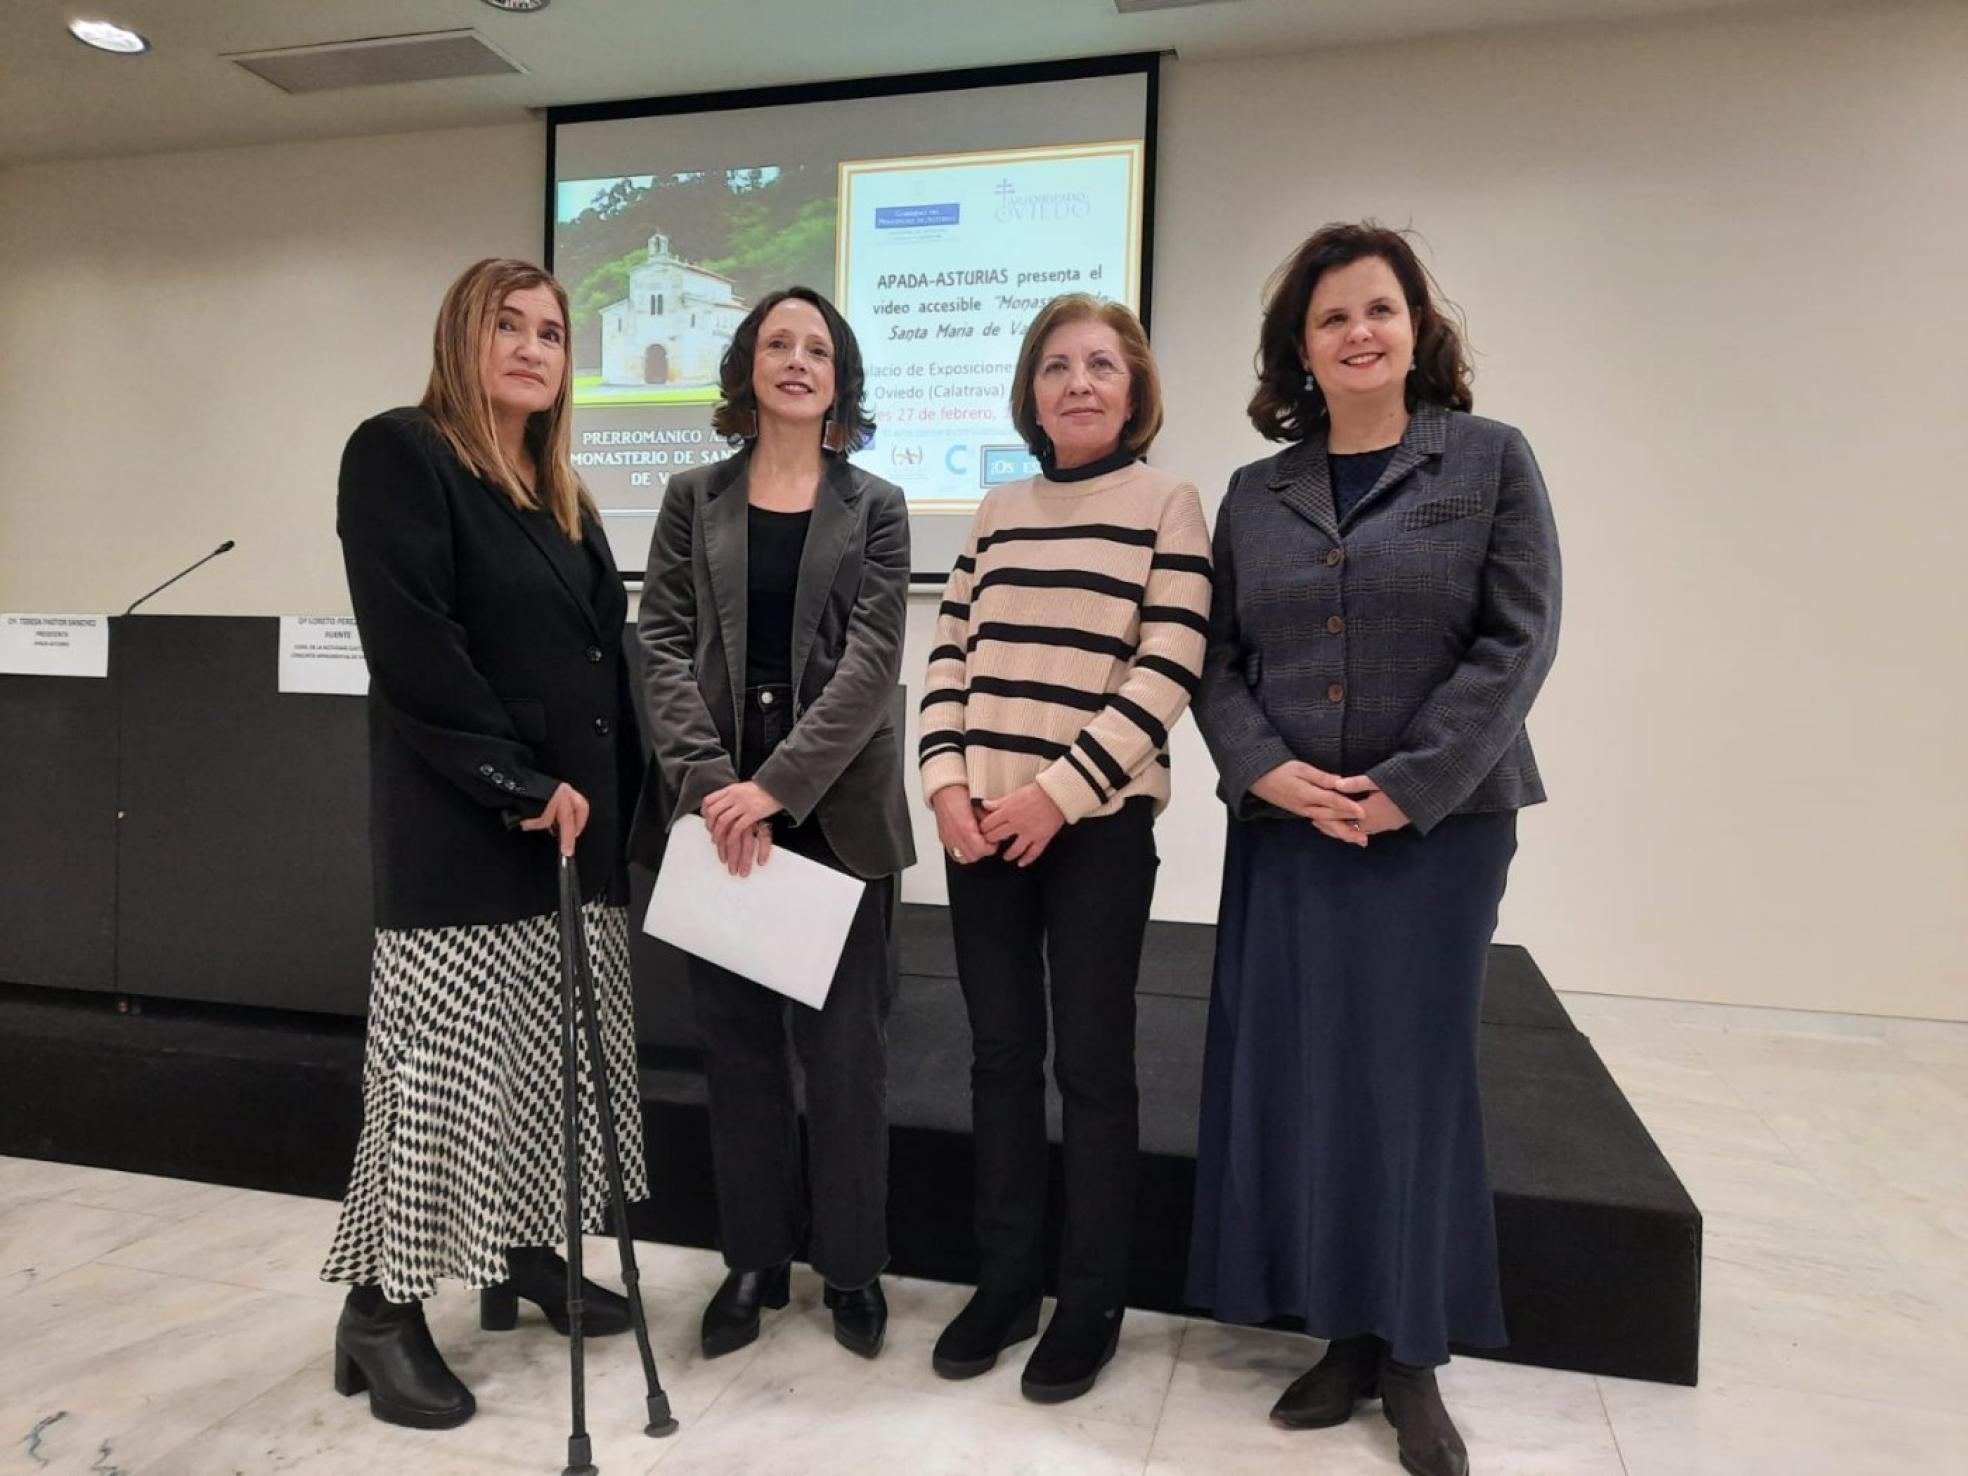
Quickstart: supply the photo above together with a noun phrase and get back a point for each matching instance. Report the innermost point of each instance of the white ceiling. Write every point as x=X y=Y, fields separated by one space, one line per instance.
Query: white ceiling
x=60 y=100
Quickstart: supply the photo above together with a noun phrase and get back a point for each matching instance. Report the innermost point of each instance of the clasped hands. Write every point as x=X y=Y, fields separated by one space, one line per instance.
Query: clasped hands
x=737 y=816
x=1348 y=809
x=1023 y=823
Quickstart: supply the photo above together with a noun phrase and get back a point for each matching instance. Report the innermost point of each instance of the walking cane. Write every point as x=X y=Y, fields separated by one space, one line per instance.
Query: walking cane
x=578 y=1002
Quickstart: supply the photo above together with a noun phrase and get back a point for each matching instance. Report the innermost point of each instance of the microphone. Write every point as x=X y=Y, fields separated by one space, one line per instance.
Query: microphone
x=225 y=547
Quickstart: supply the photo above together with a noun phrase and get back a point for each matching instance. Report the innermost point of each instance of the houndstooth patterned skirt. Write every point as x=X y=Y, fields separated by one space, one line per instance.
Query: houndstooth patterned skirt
x=460 y=1154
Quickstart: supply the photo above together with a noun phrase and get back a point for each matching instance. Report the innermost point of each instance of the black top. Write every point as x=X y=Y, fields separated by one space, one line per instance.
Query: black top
x=1354 y=473
x=497 y=673
x=772 y=565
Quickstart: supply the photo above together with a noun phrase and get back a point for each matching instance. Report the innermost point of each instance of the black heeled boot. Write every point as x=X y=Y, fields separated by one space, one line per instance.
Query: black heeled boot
x=732 y=1318
x=538 y=1274
x=1430 y=1445
x=1325 y=1394
x=385 y=1348
x=860 y=1317
x=1078 y=1343
x=990 y=1322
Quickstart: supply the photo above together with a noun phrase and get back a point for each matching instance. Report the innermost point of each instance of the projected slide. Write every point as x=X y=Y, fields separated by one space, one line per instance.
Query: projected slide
x=943 y=261
x=939 y=221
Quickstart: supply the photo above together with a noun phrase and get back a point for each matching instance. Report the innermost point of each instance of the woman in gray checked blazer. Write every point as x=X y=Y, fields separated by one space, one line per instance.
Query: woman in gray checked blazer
x=1385 y=610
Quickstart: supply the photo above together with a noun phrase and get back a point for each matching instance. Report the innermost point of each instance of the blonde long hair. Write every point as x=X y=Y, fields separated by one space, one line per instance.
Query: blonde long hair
x=456 y=401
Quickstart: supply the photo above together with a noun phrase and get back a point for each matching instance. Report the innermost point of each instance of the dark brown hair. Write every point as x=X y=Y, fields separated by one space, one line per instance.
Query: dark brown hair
x=1144 y=382
x=1283 y=408
x=736 y=416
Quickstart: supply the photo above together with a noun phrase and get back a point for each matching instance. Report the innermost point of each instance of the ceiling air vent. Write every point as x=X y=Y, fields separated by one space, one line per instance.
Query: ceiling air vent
x=431 y=56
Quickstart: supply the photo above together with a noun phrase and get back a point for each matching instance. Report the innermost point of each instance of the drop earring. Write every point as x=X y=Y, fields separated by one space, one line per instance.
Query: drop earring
x=833 y=435
x=1311 y=384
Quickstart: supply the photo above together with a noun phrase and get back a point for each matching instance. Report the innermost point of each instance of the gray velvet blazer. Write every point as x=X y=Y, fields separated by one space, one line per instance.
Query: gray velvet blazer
x=840 y=766
x=1406 y=642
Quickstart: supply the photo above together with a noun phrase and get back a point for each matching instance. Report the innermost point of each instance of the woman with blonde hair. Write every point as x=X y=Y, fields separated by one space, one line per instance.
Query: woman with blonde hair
x=491 y=617
x=1068 y=645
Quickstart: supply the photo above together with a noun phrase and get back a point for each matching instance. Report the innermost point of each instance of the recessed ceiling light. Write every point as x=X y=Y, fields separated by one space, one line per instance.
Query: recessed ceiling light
x=107 y=36
x=519 y=7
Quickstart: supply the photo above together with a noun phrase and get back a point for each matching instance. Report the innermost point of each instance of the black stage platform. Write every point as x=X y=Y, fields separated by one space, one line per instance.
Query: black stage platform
x=1600 y=1244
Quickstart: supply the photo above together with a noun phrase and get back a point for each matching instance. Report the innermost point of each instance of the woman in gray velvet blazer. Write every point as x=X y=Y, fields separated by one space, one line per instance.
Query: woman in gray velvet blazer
x=771 y=632
x=1385 y=609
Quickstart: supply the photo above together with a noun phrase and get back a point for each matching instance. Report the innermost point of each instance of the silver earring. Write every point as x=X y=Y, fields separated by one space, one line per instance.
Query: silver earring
x=1310 y=383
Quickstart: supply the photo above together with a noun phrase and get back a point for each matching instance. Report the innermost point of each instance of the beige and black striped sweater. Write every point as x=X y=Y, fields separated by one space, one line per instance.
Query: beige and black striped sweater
x=1069 y=641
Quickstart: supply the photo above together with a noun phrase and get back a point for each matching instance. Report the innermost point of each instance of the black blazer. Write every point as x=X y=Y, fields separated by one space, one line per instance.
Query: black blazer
x=841 y=765
x=1406 y=641
x=494 y=677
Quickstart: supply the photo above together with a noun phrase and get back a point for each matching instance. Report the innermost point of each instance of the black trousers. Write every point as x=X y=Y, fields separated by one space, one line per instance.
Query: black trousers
x=1079 y=914
x=768 y=1208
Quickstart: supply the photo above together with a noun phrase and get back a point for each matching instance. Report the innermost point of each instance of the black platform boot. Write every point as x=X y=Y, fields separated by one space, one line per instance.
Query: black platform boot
x=990 y=1322
x=538 y=1274
x=1325 y=1394
x=732 y=1318
x=1429 y=1442
x=1078 y=1343
x=384 y=1347
x=860 y=1317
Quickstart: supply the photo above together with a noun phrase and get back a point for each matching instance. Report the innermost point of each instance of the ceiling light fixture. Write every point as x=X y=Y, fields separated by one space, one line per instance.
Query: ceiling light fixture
x=108 y=36
x=519 y=7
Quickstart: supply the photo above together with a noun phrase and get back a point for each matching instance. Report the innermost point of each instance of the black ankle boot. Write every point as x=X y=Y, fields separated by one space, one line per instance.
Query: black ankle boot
x=860 y=1317
x=1429 y=1442
x=1078 y=1343
x=385 y=1348
x=1325 y=1395
x=732 y=1319
x=990 y=1322
x=539 y=1275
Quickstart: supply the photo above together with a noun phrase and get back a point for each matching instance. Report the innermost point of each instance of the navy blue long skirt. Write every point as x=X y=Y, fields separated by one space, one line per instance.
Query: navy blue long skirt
x=1340 y=1176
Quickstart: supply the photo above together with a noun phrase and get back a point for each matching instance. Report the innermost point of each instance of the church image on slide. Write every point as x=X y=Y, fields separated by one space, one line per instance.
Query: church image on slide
x=673 y=327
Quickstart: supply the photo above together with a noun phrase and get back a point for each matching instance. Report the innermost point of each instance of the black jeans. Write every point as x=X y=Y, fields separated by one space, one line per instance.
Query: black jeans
x=1079 y=912
x=766 y=1207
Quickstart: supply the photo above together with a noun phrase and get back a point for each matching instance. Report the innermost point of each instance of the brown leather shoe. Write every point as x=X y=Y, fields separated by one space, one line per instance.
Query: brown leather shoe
x=1429 y=1442
x=1325 y=1394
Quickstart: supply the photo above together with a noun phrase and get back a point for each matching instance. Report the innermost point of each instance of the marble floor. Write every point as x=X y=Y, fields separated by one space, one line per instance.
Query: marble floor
x=155 y=1326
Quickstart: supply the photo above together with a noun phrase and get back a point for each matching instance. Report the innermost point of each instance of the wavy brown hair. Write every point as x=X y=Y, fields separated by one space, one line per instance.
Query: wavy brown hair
x=456 y=401
x=1144 y=381
x=1283 y=408
x=736 y=417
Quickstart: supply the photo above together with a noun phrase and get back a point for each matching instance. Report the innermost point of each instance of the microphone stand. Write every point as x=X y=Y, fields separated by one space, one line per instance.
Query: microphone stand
x=225 y=547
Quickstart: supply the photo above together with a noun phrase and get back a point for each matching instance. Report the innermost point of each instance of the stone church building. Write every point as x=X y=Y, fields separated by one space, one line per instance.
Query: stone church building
x=673 y=327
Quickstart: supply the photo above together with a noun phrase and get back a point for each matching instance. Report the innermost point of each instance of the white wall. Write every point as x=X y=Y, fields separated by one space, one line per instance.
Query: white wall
x=1711 y=267
x=190 y=338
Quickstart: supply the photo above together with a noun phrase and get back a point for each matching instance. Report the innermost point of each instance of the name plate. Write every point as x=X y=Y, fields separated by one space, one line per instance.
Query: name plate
x=54 y=645
x=322 y=654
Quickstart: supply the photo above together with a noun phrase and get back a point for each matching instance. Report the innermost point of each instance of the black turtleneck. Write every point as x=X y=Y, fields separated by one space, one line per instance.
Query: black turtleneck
x=1113 y=461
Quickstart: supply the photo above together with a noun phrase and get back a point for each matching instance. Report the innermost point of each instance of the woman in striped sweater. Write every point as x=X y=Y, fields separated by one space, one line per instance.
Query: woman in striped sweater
x=1069 y=643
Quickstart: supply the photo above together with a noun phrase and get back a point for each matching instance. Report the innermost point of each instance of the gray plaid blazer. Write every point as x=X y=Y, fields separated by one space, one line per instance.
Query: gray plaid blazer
x=1406 y=642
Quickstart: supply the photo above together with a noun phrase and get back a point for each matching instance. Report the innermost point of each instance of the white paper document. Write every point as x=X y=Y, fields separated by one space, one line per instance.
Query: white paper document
x=322 y=653
x=54 y=645
x=783 y=926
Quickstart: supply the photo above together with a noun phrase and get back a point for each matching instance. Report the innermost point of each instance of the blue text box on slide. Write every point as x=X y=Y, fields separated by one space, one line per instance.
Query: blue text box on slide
x=907 y=217
x=1007 y=464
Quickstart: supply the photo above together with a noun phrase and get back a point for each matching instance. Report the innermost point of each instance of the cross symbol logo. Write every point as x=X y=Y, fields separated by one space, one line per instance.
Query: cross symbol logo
x=1006 y=190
